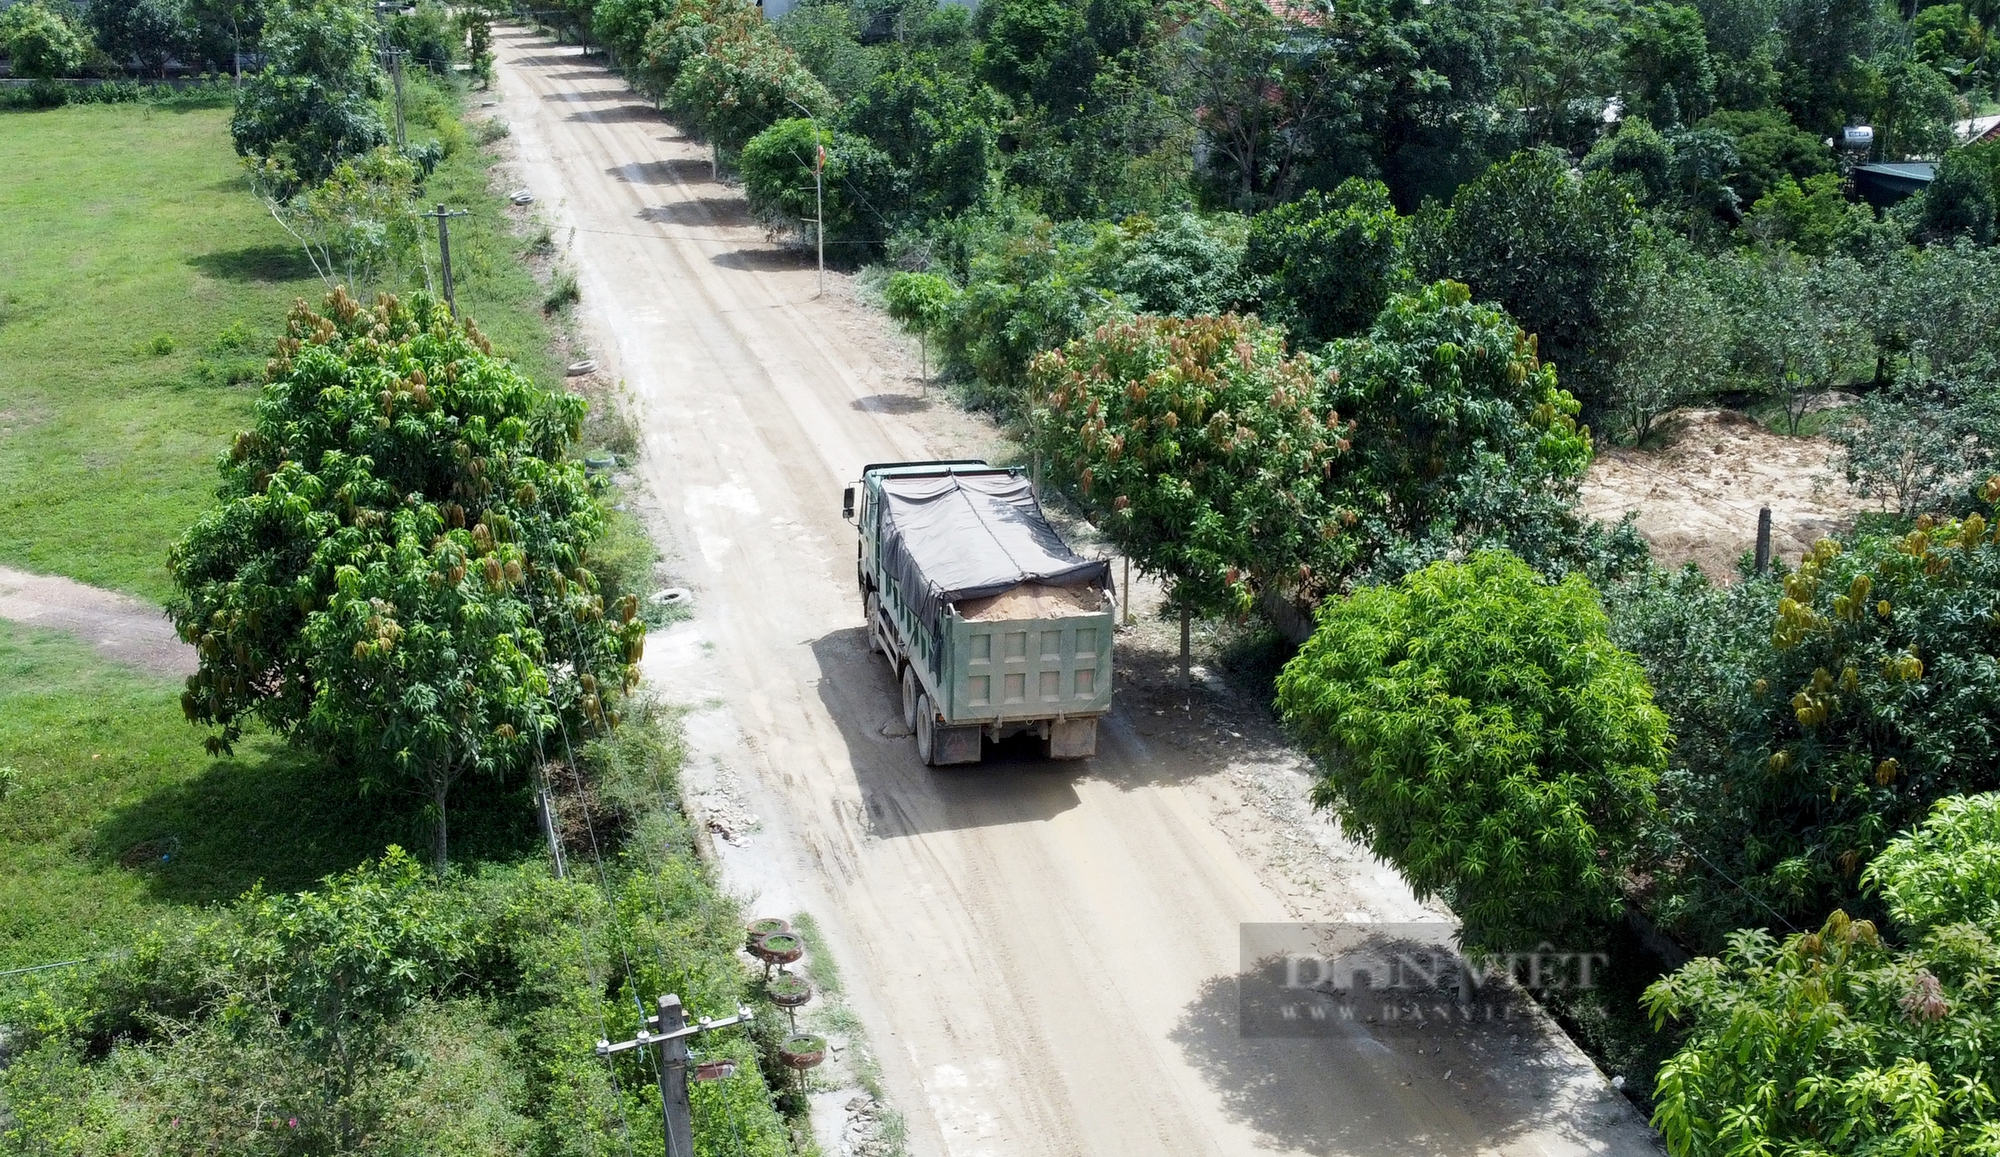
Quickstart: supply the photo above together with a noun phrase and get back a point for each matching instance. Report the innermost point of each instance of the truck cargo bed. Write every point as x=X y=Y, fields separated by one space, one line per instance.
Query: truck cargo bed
x=993 y=625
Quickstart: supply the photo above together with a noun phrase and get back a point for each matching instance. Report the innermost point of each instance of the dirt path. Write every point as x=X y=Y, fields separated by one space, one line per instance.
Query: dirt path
x=124 y=629
x=1046 y=955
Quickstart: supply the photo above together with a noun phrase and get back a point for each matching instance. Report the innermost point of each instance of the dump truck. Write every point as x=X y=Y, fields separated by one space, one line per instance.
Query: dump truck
x=992 y=625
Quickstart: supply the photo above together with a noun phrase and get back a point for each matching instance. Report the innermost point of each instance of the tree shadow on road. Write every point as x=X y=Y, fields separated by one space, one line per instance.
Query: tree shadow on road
x=672 y=171
x=723 y=211
x=891 y=404
x=617 y=114
x=1354 y=1083
x=761 y=259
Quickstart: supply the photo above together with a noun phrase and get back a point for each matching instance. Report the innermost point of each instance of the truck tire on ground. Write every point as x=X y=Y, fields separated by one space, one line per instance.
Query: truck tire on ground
x=911 y=697
x=874 y=609
x=926 y=737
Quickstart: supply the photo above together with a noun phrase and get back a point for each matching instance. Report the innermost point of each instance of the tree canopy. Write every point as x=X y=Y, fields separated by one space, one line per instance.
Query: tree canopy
x=312 y=105
x=1476 y=727
x=398 y=573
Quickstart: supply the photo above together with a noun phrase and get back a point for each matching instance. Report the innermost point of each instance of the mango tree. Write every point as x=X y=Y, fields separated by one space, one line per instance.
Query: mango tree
x=399 y=571
x=1200 y=448
x=1476 y=727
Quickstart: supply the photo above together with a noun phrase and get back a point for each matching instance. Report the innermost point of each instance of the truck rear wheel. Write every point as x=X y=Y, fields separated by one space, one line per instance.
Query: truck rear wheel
x=926 y=736
x=910 y=697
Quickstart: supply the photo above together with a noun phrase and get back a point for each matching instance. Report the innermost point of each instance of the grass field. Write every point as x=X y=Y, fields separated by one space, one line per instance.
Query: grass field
x=143 y=287
x=115 y=810
x=141 y=278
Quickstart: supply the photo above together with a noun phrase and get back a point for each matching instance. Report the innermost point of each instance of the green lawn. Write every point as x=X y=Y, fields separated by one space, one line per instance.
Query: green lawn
x=141 y=288
x=117 y=811
x=125 y=224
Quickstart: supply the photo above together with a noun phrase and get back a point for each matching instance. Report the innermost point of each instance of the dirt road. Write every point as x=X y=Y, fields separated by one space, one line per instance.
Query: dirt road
x=122 y=628
x=1045 y=956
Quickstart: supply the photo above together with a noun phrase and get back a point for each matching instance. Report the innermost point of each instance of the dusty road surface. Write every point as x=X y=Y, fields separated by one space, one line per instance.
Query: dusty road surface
x=122 y=628
x=1046 y=956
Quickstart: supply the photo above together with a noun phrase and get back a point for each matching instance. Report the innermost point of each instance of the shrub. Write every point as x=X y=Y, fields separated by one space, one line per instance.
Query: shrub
x=1832 y=1042
x=39 y=42
x=777 y=167
x=1476 y=727
x=312 y=105
x=1946 y=870
x=386 y=1012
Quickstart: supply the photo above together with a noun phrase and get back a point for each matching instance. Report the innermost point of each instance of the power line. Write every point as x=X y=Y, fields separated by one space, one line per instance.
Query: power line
x=63 y=964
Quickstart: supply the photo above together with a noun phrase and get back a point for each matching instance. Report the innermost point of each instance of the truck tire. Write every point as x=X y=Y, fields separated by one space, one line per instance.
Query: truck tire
x=874 y=609
x=910 y=697
x=926 y=736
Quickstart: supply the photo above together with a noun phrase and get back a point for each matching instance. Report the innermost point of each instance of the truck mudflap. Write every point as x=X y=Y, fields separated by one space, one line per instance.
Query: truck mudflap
x=955 y=744
x=1073 y=738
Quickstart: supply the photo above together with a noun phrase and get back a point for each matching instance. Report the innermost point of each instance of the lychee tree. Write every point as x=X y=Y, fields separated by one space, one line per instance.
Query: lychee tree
x=1870 y=699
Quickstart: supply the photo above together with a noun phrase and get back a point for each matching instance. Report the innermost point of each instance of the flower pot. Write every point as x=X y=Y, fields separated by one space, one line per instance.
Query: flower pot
x=778 y=948
x=802 y=1052
x=756 y=930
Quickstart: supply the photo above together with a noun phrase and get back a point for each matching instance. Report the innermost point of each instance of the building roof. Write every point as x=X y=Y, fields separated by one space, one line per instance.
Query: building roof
x=1885 y=184
x=1978 y=129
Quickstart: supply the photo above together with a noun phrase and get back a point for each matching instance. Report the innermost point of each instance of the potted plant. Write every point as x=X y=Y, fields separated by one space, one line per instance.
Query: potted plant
x=756 y=930
x=788 y=990
x=802 y=1052
x=780 y=948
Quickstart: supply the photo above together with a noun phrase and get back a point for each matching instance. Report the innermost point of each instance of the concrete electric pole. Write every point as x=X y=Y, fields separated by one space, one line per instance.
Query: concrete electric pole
x=671 y=1033
x=443 y=216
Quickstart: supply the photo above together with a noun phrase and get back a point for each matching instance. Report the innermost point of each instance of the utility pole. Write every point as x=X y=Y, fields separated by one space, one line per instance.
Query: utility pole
x=396 y=56
x=443 y=216
x=819 y=191
x=1763 y=541
x=671 y=1034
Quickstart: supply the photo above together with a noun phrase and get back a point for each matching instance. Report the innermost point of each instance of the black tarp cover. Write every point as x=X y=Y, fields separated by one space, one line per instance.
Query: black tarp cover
x=967 y=536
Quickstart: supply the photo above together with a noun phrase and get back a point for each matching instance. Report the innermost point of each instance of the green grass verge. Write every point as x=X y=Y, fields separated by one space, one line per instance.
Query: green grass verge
x=116 y=814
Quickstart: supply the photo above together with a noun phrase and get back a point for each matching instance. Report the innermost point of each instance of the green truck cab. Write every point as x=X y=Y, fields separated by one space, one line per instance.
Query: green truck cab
x=993 y=626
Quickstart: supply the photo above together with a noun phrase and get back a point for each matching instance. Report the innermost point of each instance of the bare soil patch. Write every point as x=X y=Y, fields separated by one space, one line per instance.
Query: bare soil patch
x=1697 y=497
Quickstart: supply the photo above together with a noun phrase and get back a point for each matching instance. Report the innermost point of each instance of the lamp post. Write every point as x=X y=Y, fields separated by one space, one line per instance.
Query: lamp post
x=819 y=192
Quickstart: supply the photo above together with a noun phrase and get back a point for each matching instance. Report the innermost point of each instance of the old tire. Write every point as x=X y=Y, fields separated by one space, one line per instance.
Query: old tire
x=874 y=610
x=926 y=732
x=910 y=697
